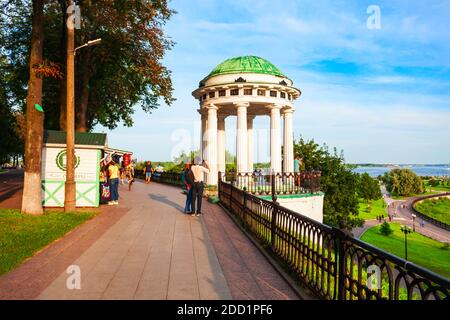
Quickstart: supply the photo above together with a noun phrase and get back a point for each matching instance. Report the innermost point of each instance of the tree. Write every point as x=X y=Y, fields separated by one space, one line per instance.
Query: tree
x=124 y=71
x=434 y=182
x=403 y=182
x=32 y=195
x=186 y=157
x=368 y=188
x=385 y=229
x=338 y=183
x=11 y=144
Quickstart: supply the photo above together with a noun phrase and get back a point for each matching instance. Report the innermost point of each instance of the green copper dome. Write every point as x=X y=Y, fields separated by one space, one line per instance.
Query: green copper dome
x=245 y=64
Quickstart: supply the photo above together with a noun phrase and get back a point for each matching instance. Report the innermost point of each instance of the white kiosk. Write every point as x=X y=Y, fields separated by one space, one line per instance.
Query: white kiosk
x=89 y=149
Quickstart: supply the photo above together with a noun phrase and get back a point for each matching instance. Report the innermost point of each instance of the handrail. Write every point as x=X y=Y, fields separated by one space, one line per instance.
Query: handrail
x=278 y=183
x=333 y=264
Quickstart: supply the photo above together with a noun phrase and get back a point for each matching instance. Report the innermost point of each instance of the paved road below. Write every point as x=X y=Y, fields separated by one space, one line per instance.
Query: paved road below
x=401 y=211
x=11 y=184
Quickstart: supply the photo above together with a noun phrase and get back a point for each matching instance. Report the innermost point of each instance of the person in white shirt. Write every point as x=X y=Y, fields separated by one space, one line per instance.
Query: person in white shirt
x=198 y=169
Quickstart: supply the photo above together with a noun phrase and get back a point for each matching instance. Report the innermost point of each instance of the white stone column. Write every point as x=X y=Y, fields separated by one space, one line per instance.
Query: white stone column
x=221 y=144
x=288 y=141
x=211 y=151
x=250 y=143
x=275 y=135
x=241 y=143
x=203 y=136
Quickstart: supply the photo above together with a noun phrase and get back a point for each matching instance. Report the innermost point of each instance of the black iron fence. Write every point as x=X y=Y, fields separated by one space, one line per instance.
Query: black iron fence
x=431 y=220
x=274 y=183
x=331 y=263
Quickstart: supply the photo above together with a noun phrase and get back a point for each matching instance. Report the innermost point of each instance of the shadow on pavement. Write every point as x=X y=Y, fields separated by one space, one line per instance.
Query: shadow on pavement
x=165 y=200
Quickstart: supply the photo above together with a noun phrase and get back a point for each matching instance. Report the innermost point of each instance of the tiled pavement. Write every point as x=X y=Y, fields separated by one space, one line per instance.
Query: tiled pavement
x=248 y=273
x=147 y=249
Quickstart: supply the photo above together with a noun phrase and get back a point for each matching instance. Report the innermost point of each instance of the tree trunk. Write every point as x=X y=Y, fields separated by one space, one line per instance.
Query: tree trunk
x=82 y=105
x=32 y=194
x=63 y=48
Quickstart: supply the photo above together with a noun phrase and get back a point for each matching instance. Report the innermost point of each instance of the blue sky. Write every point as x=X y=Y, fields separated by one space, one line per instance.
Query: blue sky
x=383 y=96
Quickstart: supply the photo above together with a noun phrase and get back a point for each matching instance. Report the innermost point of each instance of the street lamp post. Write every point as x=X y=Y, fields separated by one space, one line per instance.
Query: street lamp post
x=406 y=231
x=70 y=186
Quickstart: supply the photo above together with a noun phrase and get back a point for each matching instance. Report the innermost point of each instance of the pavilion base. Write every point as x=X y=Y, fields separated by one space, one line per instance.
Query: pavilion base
x=308 y=205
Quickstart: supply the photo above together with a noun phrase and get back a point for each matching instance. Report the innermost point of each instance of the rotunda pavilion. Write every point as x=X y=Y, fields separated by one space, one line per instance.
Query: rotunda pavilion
x=246 y=87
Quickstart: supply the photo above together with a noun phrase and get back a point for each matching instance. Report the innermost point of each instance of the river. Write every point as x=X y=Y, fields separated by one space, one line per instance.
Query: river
x=421 y=170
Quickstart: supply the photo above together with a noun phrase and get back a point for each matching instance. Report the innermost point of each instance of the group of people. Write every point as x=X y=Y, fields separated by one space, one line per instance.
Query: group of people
x=110 y=173
x=192 y=178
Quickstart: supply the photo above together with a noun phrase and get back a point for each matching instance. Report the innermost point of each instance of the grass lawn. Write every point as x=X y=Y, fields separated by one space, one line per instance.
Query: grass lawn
x=438 y=209
x=21 y=236
x=426 y=252
x=377 y=209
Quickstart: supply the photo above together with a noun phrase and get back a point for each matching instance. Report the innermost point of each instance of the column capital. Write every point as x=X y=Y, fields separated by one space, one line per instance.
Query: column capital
x=241 y=104
x=287 y=110
x=251 y=117
x=275 y=106
x=211 y=106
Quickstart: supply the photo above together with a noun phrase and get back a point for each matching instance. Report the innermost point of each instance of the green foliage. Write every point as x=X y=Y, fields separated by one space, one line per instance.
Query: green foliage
x=385 y=229
x=338 y=182
x=10 y=142
x=434 y=182
x=125 y=70
x=403 y=182
x=436 y=185
x=368 y=188
x=186 y=157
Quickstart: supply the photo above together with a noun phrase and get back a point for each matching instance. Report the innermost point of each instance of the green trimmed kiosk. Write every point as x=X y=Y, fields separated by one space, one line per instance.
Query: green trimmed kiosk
x=89 y=149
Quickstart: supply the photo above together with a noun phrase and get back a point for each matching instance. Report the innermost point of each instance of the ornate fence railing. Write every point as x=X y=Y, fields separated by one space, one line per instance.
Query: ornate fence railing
x=280 y=183
x=331 y=263
x=431 y=220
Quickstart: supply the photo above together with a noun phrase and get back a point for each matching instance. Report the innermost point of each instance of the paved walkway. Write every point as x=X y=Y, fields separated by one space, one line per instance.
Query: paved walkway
x=248 y=273
x=145 y=248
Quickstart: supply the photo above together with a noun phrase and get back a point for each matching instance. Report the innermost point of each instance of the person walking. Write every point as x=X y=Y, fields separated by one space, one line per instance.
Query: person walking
x=148 y=171
x=198 y=169
x=113 y=171
x=297 y=164
x=188 y=180
x=130 y=175
x=122 y=174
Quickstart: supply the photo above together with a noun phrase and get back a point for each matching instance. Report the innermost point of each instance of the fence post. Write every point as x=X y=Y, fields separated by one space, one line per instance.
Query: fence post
x=244 y=200
x=231 y=197
x=273 y=225
x=340 y=239
x=219 y=181
x=274 y=194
